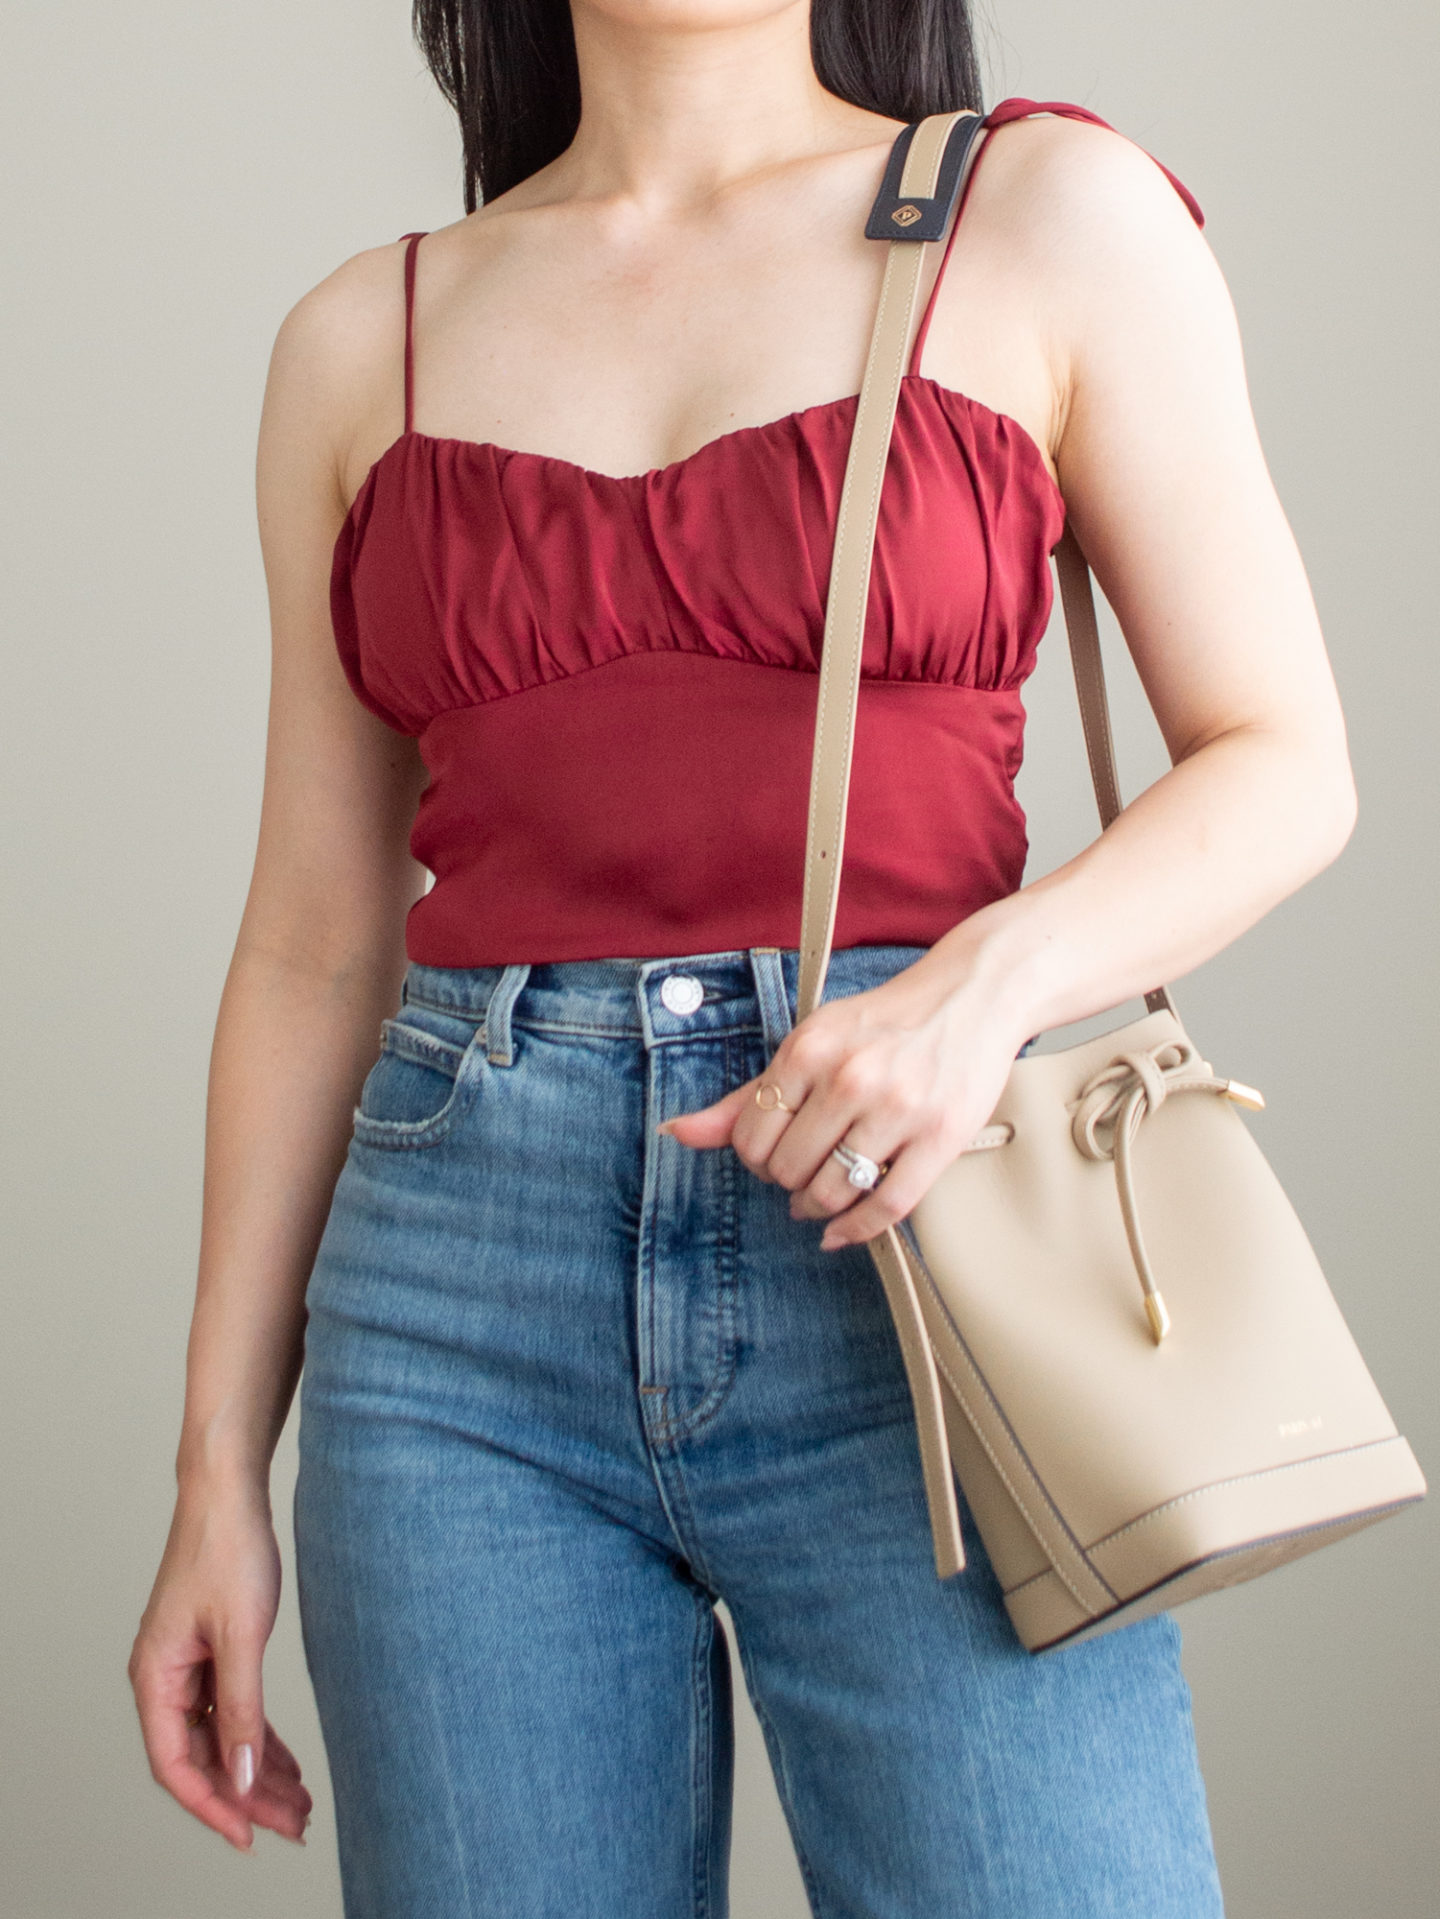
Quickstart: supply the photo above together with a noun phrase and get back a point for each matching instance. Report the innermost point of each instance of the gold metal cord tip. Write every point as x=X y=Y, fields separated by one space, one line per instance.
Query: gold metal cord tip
x=1244 y=1095
x=1159 y=1319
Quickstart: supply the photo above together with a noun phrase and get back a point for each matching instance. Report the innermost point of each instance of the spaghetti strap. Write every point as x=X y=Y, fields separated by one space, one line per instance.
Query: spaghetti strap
x=999 y=116
x=925 y=318
x=414 y=240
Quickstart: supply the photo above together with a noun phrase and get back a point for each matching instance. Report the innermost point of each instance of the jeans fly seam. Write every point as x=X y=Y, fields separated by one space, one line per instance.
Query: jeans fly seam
x=649 y=1213
x=669 y=1473
x=726 y=1242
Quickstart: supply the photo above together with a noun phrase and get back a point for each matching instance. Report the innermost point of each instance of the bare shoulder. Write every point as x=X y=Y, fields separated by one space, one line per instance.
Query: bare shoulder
x=1105 y=246
x=1096 y=257
x=1063 y=188
x=335 y=382
x=345 y=317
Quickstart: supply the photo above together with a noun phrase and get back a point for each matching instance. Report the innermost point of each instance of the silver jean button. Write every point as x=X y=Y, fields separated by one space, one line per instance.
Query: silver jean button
x=681 y=992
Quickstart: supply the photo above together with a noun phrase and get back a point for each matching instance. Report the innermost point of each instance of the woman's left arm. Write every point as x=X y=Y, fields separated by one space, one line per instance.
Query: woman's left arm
x=1168 y=491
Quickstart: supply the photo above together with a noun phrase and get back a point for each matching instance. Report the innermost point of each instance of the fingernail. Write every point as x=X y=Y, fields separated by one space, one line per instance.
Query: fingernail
x=242 y=1768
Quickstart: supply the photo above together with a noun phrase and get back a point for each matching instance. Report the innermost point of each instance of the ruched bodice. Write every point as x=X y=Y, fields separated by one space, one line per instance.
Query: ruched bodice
x=725 y=554
x=612 y=679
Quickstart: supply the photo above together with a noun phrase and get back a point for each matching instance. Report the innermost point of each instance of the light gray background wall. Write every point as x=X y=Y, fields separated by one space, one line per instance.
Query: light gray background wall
x=177 y=177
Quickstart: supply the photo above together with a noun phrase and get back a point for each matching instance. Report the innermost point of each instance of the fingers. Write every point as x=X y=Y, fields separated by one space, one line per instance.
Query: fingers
x=788 y=1090
x=876 y=1096
x=239 y=1715
x=831 y=1190
x=279 y=1800
x=708 y=1125
x=278 y=1759
x=185 y=1760
x=787 y=1120
x=196 y=1671
x=889 y=1091
x=280 y=1816
x=190 y=1762
x=913 y=1170
x=737 y=1120
x=770 y=1104
x=858 y=1101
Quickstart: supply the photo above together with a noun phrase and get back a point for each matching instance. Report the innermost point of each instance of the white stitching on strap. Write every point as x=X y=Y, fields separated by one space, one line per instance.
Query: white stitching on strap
x=883 y=374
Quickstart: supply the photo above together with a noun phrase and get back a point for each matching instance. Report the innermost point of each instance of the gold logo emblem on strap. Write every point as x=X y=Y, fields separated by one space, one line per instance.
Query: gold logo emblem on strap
x=906 y=216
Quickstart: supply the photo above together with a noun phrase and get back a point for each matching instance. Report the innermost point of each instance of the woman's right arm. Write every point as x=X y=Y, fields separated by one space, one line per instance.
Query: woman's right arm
x=317 y=964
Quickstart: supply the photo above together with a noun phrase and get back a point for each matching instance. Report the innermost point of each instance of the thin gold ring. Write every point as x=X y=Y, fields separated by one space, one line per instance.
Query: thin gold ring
x=775 y=1103
x=198 y=1713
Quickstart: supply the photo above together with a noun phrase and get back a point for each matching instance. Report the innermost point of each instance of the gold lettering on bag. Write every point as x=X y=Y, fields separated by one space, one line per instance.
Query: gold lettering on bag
x=906 y=216
x=1292 y=1428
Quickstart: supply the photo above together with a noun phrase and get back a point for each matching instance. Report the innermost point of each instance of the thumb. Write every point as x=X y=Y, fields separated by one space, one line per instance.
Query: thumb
x=709 y=1125
x=239 y=1708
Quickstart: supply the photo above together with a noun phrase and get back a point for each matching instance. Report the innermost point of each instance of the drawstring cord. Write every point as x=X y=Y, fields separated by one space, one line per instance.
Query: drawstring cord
x=1116 y=1100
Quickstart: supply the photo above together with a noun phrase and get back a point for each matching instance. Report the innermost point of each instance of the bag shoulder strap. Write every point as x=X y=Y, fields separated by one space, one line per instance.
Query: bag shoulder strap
x=908 y=194
x=1086 y=661
x=924 y=178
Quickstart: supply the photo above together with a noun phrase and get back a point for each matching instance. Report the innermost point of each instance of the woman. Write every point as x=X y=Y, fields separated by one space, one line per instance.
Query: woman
x=591 y=1336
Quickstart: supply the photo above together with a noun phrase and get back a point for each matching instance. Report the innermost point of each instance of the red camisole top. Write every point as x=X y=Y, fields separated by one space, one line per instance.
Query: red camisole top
x=612 y=679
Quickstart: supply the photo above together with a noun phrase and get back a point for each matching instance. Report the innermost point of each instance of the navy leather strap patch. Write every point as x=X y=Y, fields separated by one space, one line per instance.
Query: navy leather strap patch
x=895 y=216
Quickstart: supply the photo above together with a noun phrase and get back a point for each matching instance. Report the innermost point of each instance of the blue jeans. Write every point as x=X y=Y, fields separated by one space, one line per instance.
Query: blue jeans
x=568 y=1382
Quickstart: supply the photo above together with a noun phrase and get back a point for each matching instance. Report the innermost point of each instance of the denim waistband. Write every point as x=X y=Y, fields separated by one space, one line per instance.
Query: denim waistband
x=674 y=998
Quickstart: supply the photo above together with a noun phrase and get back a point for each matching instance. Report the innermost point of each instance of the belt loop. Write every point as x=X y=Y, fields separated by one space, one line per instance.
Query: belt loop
x=497 y=1013
x=770 y=991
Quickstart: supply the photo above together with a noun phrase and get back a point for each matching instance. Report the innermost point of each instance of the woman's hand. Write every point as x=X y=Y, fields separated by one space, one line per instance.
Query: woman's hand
x=908 y=1072
x=200 y=1644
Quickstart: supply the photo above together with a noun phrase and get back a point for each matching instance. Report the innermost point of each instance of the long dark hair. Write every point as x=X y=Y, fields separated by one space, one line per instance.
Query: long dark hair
x=508 y=69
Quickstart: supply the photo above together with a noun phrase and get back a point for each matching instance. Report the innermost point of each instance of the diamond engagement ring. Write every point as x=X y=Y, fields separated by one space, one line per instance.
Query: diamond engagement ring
x=859 y=1170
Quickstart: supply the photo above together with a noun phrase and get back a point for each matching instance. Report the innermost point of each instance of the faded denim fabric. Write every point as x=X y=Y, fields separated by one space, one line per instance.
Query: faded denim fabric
x=566 y=1383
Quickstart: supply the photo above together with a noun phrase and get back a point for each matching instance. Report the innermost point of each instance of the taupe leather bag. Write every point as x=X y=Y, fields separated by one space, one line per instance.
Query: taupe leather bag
x=1119 y=1452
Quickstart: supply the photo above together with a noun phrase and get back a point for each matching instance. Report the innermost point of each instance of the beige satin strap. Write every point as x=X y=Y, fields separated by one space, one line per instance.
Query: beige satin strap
x=849 y=591
x=839 y=687
x=924 y=1383
x=836 y=698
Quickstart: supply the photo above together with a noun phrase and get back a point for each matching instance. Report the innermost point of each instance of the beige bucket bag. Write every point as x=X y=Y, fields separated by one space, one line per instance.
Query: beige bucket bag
x=1120 y=1451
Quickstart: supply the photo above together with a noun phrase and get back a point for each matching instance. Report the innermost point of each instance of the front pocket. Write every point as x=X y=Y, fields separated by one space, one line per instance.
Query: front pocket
x=423 y=1080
